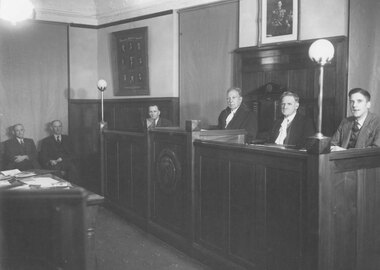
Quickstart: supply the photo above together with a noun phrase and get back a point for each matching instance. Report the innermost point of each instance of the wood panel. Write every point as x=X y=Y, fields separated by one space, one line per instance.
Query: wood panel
x=170 y=188
x=289 y=66
x=249 y=208
x=120 y=114
x=126 y=173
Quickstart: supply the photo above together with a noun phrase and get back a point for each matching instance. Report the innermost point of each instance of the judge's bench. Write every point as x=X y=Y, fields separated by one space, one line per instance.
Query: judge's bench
x=238 y=206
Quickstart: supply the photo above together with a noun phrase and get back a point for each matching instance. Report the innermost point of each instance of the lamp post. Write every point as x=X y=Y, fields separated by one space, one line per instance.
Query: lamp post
x=321 y=52
x=102 y=85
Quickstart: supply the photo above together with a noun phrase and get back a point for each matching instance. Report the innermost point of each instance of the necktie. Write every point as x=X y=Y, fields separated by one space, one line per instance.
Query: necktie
x=22 y=142
x=282 y=134
x=229 y=118
x=153 y=125
x=58 y=139
x=354 y=134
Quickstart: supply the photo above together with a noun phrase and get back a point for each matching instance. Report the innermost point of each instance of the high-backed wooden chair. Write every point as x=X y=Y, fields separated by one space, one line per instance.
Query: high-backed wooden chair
x=265 y=102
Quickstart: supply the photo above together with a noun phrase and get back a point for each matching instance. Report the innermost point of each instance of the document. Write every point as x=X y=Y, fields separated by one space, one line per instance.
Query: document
x=11 y=172
x=44 y=182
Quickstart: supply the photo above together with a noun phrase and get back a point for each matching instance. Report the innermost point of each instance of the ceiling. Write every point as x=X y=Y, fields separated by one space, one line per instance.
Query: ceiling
x=96 y=12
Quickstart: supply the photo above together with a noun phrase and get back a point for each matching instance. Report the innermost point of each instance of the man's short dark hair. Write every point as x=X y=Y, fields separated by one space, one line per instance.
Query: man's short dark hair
x=237 y=89
x=361 y=91
x=290 y=94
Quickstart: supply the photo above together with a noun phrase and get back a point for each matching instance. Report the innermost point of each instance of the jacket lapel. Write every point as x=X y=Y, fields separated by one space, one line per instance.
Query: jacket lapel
x=366 y=128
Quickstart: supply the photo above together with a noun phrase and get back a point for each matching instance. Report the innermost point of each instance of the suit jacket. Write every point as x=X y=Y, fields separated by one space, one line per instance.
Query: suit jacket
x=369 y=134
x=243 y=119
x=13 y=148
x=162 y=122
x=299 y=129
x=52 y=150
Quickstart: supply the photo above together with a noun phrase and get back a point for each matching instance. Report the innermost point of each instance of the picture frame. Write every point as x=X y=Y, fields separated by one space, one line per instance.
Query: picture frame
x=278 y=21
x=131 y=55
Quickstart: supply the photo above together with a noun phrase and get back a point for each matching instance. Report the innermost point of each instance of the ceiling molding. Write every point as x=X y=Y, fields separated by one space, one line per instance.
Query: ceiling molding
x=66 y=16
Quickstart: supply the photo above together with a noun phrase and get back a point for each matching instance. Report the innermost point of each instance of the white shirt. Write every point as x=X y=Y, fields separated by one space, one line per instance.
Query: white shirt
x=230 y=116
x=283 y=129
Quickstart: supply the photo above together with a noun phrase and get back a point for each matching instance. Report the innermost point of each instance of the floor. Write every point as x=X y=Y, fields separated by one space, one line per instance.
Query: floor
x=120 y=246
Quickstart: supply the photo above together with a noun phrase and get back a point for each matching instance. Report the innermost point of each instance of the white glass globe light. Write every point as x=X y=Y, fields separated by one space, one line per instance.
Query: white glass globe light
x=16 y=10
x=102 y=85
x=321 y=51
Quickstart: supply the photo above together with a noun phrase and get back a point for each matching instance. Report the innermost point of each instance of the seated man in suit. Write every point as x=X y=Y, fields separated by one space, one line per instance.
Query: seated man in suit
x=362 y=129
x=155 y=120
x=57 y=154
x=293 y=128
x=237 y=115
x=19 y=152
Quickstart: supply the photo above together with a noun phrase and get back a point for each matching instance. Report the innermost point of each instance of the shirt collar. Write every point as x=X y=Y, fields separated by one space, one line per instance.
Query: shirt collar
x=234 y=110
x=290 y=117
x=361 y=121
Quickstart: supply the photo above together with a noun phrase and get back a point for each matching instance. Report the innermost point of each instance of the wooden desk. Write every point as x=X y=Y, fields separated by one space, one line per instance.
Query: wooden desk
x=92 y=202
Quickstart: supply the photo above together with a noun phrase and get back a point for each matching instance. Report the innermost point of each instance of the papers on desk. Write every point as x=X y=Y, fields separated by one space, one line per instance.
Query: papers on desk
x=44 y=182
x=25 y=174
x=10 y=172
x=16 y=173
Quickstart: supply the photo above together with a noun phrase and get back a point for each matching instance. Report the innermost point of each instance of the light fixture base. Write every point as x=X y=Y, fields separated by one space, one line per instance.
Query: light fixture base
x=318 y=144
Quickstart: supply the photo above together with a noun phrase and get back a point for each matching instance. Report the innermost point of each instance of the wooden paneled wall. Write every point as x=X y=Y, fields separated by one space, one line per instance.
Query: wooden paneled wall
x=120 y=114
x=288 y=65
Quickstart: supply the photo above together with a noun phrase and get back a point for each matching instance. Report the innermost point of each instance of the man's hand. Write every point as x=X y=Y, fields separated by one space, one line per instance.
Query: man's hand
x=334 y=148
x=20 y=158
x=54 y=162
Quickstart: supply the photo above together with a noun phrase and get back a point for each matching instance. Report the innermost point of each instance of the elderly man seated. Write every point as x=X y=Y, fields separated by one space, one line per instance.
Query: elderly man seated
x=20 y=152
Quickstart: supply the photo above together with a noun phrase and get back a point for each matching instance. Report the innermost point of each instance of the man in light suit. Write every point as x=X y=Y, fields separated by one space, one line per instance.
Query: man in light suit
x=57 y=153
x=19 y=152
x=155 y=120
x=237 y=115
x=362 y=129
x=293 y=128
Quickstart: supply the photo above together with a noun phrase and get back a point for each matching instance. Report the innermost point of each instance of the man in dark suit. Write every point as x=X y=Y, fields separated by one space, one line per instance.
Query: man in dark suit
x=293 y=128
x=362 y=129
x=155 y=120
x=19 y=152
x=237 y=115
x=57 y=153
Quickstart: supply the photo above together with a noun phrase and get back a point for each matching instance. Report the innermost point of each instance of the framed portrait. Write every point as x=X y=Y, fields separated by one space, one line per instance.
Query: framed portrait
x=278 y=21
x=132 y=62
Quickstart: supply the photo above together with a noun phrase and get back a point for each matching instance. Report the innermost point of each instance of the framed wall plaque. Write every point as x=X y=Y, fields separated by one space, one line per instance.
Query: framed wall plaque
x=132 y=62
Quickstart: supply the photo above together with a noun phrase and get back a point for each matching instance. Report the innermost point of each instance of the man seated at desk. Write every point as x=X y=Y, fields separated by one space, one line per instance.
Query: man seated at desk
x=57 y=153
x=237 y=115
x=293 y=128
x=155 y=120
x=19 y=152
x=362 y=129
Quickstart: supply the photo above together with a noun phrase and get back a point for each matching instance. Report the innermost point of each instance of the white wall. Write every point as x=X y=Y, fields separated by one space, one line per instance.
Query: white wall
x=91 y=54
x=91 y=58
x=322 y=18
